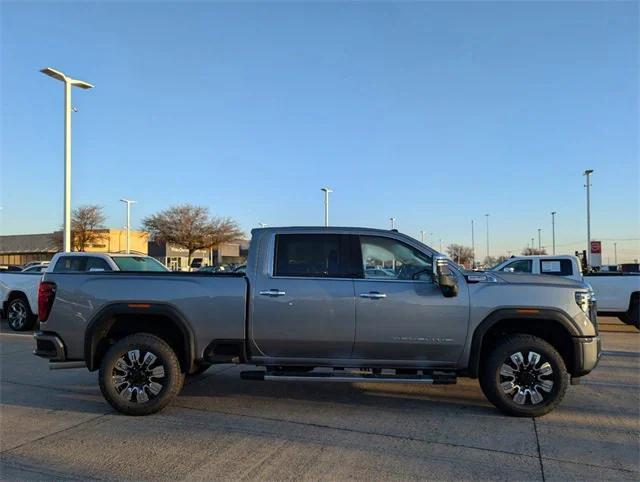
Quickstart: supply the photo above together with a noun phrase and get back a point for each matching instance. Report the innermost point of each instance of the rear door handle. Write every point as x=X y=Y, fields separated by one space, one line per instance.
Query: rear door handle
x=374 y=295
x=273 y=292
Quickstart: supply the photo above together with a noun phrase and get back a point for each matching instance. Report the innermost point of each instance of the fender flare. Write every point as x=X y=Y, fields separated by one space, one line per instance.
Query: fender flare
x=104 y=319
x=549 y=314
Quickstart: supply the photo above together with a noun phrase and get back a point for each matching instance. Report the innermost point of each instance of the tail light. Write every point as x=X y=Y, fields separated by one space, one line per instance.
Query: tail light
x=46 y=295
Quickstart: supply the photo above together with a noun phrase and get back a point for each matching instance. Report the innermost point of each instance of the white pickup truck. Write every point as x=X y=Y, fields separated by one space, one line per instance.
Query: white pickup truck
x=617 y=294
x=19 y=289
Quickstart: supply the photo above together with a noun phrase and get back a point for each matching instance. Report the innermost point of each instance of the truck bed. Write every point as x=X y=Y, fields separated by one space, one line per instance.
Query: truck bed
x=212 y=305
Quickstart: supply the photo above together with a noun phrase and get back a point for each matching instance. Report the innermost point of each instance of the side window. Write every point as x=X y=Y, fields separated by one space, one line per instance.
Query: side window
x=558 y=267
x=386 y=258
x=96 y=264
x=77 y=264
x=520 y=266
x=312 y=255
x=70 y=264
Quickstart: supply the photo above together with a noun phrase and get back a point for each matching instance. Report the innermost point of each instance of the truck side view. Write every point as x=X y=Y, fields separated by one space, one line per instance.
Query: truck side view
x=324 y=304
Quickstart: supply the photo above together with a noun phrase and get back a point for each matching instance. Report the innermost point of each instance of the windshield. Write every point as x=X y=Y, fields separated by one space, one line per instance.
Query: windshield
x=138 y=263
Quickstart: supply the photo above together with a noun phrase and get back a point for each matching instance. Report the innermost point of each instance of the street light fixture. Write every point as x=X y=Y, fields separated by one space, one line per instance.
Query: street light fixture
x=68 y=83
x=487 y=216
x=588 y=173
x=128 y=202
x=473 y=247
x=553 y=230
x=326 y=191
x=539 y=240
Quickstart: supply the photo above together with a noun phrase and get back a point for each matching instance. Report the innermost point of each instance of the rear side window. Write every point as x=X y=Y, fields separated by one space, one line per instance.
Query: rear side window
x=75 y=264
x=520 y=266
x=312 y=255
x=558 y=267
x=138 y=263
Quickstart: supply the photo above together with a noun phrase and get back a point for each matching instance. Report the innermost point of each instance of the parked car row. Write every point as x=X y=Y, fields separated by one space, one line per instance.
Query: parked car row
x=323 y=304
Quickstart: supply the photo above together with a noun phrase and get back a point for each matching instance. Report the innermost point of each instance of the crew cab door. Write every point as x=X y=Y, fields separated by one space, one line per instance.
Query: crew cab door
x=401 y=314
x=304 y=306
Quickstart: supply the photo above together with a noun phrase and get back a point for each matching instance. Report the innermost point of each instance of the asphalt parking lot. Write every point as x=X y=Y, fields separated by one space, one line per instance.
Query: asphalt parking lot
x=55 y=424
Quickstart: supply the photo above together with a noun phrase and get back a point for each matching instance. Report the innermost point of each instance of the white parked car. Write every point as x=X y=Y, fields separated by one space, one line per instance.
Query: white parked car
x=617 y=294
x=19 y=289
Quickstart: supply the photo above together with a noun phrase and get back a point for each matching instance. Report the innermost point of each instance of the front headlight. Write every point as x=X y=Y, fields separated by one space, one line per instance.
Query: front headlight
x=584 y=299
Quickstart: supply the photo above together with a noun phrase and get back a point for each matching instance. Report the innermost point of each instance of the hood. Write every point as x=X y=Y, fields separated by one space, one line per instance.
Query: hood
x=539 y=279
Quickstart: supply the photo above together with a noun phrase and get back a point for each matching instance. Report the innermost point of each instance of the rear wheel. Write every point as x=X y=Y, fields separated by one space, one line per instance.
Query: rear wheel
x=140 y=375
x=633 y=315
x=524 y=376
x=19 y=315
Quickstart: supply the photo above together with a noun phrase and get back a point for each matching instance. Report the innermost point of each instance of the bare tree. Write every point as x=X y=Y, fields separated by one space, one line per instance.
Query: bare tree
x=463 y=255
x=86 y=223
x=191 y=227
x=489 y=262
x=528 y=251
x=501 y=258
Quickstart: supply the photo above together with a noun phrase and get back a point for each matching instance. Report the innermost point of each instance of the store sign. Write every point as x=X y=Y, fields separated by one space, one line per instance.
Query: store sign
x=596 y=247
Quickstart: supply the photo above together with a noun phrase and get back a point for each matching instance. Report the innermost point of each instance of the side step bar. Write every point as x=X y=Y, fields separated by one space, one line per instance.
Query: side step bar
x=437 y=378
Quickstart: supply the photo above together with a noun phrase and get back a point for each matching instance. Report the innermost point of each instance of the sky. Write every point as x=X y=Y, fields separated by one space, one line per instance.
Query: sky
x=433 y=113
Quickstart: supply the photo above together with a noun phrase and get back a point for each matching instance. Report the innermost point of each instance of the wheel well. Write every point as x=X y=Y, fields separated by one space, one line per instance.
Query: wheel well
x=117 y=326
x=549 y=330
x=634 y=298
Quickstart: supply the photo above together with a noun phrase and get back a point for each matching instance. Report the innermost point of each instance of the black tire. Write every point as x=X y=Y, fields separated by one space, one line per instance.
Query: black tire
x=19 y=315
x=532 y=381
x=199 y=370
x=633 y=315
x=126 y=387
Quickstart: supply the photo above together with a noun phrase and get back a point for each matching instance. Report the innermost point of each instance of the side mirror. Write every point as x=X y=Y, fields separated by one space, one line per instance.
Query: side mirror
x=444 y=278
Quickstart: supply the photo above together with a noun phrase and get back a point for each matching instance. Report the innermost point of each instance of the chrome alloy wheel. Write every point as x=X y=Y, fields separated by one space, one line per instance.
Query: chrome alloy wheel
x=17 y=315
x=526 y=381
x=134 y=373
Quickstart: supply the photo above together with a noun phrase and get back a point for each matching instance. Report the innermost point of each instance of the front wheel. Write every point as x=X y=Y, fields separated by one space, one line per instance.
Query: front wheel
x=140 y=375
x=524 y=376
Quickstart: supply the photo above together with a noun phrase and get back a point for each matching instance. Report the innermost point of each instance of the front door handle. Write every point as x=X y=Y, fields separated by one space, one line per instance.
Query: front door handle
x=273 y=292
x=374 y=295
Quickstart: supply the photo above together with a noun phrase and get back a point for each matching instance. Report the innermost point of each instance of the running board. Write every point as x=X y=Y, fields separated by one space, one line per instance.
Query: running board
x=437 y=378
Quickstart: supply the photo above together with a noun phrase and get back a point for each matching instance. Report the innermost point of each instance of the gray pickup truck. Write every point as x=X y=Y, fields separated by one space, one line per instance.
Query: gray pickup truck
x=324 y=304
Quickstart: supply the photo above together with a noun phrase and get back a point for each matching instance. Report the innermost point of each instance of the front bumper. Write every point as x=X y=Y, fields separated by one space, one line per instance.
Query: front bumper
x=587 y=352
x=50 y=346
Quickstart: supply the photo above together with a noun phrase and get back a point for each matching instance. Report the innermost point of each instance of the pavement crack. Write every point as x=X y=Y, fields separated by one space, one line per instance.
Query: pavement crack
x=535 y=429
x=360 y=432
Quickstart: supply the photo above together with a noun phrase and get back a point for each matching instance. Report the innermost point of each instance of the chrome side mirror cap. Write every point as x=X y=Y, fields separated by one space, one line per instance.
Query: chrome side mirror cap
x=443 y=277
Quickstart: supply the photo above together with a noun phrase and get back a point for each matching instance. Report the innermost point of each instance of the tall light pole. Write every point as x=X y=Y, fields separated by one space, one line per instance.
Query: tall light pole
x=539 y=240
x=473 y=248
x=128 y=202
x=615 y=253
x=588 y=173
x=533 y=246
x=422 y=236
x=553 y=230
x=393 y=222
x=326 y=191
x=68 y=83
x=487 y=216
x=440 y=245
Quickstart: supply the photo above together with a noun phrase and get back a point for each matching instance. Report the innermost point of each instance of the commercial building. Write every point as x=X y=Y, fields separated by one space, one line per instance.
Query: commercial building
x=19 y=249
x=177 y=258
